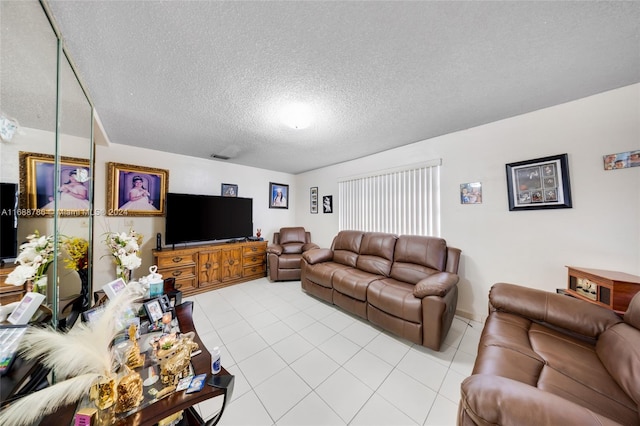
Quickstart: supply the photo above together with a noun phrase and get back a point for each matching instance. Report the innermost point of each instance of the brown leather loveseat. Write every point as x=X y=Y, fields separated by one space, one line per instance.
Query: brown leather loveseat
x=404 y=284
x=549 y=359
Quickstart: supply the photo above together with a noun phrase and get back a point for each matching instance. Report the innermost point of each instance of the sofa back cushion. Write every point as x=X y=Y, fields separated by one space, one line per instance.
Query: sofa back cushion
x=376 y=253
x=416 y=257
x=619 y=350
x=346 y=247
x=292 y=239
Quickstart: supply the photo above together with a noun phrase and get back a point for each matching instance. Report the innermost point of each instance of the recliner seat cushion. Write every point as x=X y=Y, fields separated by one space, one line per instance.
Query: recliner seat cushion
x=292 y=235
x=292 y=248
x=353 y=282
x=395 y=298
x=289 y=261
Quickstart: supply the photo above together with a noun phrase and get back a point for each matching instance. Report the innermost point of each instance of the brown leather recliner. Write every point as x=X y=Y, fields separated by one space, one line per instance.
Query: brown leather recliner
x=284 y=254
x=549 y=359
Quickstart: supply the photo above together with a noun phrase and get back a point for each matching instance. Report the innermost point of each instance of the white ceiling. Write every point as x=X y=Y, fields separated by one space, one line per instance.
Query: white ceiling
x=203 y=77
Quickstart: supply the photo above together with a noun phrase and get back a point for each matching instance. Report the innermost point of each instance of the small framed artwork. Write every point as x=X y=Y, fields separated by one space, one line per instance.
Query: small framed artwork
x=622 y=160
x=229 y=190
x=154 y=310
x=542 y=183
x=136 y=190
x=327 y=204
x=38 y=178
x=114 y=287
x=278 y=196
x=26 y=308
x=471 y=193
x=313 y=199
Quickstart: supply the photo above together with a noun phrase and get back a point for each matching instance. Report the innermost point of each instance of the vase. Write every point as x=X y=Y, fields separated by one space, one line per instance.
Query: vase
x=84 y=287
x=40 y=285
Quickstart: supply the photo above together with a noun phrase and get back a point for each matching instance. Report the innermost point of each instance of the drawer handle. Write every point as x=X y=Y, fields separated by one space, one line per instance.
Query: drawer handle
x=176 y=273
x=207 y=265
x=253 y=259
x=177 y=259
x=254 y=248
x=230 y=261
x=253 y=269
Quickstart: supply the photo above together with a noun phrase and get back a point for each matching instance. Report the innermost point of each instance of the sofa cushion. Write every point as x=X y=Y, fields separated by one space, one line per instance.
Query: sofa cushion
x=346 y=247
x=619 y=351
x=292 y=248
x=417 y=257
x=292 y=235
x=353 y=282
x=376 y=253
x=395 y=298
x=322 y=273
x=289 y=261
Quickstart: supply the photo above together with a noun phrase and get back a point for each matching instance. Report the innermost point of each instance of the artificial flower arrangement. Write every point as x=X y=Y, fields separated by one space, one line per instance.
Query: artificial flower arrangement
x=125 y=247
x=34 y=259
x=77 y=250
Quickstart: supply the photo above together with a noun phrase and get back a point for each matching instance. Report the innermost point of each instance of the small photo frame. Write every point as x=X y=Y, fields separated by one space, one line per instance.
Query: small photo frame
x=313 y=200
x=229 y=190
x=26 y=308
x=92 y=315
x=114 y=287
x=541 y=183
x=154 y=310
x=471 y=193
x=278 y=196
x=327 y=204
x=622 y=160
x=38 y=191
x=135 y=190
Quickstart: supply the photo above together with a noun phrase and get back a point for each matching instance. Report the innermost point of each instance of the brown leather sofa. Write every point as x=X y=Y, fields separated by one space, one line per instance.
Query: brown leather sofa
x=550 y=359
x=285 y=253
x=404 y=284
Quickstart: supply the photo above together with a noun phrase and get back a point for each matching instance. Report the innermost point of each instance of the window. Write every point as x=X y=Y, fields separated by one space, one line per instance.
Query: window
x=404 y=200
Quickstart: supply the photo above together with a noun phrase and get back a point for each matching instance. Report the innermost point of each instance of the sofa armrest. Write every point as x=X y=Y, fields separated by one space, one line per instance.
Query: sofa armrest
x=309 y=246
x=437 y=284
x=318 y=255
x=496 y=400
x=565 y=312
x=275 y=249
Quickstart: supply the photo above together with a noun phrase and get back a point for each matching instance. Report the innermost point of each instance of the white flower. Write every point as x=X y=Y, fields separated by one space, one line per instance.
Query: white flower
x=124 y=248
x=21 y=274
x=34 y=259
x=130 y=261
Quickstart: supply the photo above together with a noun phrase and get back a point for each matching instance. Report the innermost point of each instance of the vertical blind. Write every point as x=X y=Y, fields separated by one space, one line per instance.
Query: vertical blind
x=404 y=200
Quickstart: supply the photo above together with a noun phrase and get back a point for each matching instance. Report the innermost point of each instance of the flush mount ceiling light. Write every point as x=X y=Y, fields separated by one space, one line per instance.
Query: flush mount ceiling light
x=296 y=115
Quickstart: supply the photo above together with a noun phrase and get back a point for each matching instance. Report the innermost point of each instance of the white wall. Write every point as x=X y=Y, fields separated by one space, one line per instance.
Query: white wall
x=531 y=248
x=186 y=175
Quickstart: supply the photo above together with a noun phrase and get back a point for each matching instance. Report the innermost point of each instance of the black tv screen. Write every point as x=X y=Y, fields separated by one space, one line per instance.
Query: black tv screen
x=8 y=220
x=194 y=218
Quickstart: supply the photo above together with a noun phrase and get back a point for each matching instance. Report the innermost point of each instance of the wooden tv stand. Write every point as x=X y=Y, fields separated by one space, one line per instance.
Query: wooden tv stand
x=207 y=267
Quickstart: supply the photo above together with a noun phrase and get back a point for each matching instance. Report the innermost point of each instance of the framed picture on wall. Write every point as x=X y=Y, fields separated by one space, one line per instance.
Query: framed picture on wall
x=135 y=190
x=229 y=190
x=313 y=199
x=278 y=196
x=327 y=204
x=38 y=187
x=541 y=183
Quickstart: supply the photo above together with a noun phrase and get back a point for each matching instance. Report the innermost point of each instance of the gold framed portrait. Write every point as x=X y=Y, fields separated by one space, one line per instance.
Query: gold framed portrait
x=38 y=190
x=136 y=190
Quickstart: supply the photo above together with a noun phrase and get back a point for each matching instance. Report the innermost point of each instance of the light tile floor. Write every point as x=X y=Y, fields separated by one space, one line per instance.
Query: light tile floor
x=300 y=361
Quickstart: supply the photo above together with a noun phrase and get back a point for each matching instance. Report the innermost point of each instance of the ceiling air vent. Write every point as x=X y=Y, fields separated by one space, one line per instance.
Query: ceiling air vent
x=220 y=157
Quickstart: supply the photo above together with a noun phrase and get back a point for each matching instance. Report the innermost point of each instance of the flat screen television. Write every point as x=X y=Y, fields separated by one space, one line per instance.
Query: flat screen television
x=8 y=220
x=199 y=218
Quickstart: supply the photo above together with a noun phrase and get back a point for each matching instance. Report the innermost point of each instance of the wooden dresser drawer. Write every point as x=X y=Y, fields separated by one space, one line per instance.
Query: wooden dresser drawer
x=179 y=273
x=260 y=269
x=6 y=298
x=255 y=259
x=250 y=249
x=177 y=259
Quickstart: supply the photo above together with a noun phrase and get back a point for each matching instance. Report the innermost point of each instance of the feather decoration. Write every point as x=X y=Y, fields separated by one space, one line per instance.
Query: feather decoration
x=27 y=410
x=82 y=352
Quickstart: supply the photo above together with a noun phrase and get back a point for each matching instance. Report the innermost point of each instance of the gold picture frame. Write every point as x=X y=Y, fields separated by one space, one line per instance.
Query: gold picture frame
x=37 y=185
x=136 y=190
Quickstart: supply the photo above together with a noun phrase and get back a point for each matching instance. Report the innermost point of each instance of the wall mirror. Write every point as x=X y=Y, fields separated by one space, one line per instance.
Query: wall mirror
x=40 y=92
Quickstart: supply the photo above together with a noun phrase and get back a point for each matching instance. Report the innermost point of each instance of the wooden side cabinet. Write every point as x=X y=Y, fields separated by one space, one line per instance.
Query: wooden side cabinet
x=611 y=289
x=209 y=266
x=9 y=293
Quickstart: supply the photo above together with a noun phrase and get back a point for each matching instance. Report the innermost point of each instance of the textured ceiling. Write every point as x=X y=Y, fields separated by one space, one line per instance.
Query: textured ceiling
x=202 y=78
